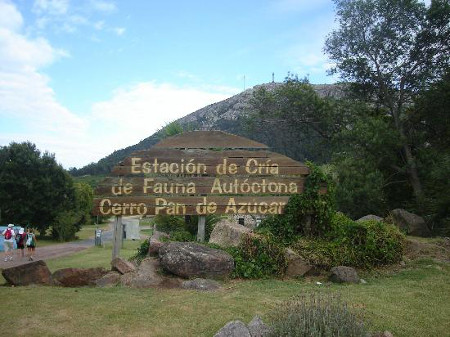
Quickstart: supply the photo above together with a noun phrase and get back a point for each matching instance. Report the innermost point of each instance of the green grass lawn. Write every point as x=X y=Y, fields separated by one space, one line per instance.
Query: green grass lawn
x=413 y=301
x=85 y=232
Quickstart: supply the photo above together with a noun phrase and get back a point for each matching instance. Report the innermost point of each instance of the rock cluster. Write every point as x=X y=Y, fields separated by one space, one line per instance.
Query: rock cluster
x=256 y=328
x=38 y=273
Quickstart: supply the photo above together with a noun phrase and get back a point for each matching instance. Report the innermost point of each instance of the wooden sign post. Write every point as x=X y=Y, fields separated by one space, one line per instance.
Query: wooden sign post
x=117 y=237
x=201 y=173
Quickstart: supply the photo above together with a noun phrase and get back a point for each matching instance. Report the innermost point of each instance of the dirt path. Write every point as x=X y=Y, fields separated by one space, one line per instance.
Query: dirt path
x=57 y=250
x=45 y=253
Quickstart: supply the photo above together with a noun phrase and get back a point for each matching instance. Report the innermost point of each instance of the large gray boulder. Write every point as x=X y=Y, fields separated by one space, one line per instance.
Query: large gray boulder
x=35 y=272
x=233 y=329
x=410 y=223
x=189 y=260
x=227 y=233
x=370 y=217
x=344 y=274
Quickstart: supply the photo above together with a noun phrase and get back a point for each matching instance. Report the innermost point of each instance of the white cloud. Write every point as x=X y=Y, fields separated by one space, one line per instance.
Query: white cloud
x=18 y=52
x=10 y=18
x=28 y=106
x=103 y=6
x=99 y=25
x=29 y=109
x=119 y=31
x=70 y=17
x=295 y=6
x=135 y=113
x=51 y=7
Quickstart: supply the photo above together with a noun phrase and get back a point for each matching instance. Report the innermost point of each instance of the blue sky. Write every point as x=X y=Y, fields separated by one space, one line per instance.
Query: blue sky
x=82 y=78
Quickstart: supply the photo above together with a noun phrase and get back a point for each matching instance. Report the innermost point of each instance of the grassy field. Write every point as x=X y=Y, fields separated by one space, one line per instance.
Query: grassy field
x=412 y=301
x=85 y=232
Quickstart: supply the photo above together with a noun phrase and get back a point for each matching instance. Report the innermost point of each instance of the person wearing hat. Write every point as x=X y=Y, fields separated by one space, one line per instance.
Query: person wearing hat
x=9 y=235
x=20 y=240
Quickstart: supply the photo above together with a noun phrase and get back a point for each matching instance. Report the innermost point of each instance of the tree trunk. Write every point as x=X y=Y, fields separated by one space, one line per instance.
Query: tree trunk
x=413 y=175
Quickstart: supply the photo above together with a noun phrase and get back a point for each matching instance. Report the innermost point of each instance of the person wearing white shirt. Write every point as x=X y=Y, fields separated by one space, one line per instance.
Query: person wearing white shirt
x=9 y=235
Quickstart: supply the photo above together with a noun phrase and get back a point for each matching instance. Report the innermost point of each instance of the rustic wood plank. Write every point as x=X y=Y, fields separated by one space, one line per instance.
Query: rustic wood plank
x=225 y=185
x=189 y=205
x=211 y=171
x=209 y=139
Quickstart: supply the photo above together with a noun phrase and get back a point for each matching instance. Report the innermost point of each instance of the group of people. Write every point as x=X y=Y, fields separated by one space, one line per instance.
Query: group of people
x=23 y=240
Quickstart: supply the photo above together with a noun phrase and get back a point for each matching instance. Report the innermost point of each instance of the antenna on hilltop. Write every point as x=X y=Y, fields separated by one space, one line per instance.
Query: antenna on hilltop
x=273 y=77
x=244 y=82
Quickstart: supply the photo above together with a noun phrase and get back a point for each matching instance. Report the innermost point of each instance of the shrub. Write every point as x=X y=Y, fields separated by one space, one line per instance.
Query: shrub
x=258 y=257
x=184 y=229
x=142 y=251
x=313 y=315
x=169 y=223
x=360 y=244
x=192 y=224
x=180 y=235
x=306 y=214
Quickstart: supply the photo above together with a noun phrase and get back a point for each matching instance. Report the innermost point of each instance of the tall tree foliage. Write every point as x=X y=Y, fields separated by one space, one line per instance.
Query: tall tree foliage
x=391 y=50
x=293 y=119
x=36 y=191
x=34 y=188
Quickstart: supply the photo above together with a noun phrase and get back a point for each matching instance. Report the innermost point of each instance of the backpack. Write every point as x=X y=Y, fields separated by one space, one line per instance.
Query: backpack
x=8 y=234
x=29 y=239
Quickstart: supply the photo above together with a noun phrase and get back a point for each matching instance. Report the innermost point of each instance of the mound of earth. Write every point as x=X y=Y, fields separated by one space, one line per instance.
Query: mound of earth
x=436 y=249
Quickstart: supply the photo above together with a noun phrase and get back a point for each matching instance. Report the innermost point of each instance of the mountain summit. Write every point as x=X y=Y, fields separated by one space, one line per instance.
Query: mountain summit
x=226 y=115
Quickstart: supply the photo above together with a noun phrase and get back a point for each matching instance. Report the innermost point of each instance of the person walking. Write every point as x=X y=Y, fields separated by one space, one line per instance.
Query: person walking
x=31 y=243
x=21 y=238
x=9 y=235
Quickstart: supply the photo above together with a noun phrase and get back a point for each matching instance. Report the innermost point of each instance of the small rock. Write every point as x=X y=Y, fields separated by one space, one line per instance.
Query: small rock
x=402 y=263
x=154 y=246
x=233 y=329
x=383 y=334
x=362 y=281
x=201 y=284
x=343 y=274
x=109 y=280
x=257 y=328
x=122 y=266
x=296 y=265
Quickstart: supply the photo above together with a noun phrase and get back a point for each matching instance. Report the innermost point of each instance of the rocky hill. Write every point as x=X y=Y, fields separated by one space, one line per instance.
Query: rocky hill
x=226 y=115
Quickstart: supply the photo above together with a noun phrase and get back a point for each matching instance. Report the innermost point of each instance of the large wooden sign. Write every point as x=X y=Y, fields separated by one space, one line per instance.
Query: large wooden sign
x=201 y=172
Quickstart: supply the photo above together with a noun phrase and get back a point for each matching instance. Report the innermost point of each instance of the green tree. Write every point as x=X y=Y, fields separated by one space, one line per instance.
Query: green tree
x=391 y=50
x=294 y=120
x=34 y=188
x=431 y=119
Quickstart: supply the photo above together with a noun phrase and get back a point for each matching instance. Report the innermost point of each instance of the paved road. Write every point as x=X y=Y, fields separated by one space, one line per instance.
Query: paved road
x=63 y=249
